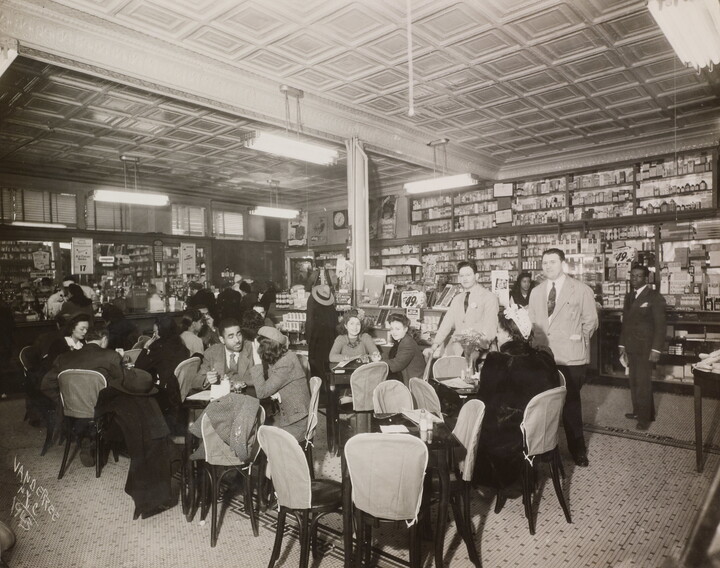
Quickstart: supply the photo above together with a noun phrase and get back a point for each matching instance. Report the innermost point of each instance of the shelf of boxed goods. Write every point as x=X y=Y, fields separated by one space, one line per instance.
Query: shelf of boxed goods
x=394 y=259
x=494 y=253
x=446 y=254
x=430 y=215
x=602 y=194
x=685 y=182
x=540 y=201
x=474 y=210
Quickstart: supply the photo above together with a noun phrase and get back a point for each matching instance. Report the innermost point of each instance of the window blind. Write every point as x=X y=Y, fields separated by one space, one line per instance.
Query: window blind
x=228 y=224
x=188 y=220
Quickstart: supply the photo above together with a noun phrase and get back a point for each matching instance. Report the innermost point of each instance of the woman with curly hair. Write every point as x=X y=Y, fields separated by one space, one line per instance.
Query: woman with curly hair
x=278 y=373
x=353 y=340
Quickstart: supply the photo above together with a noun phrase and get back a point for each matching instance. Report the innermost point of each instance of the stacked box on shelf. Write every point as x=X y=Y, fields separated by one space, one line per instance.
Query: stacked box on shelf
x=474 y=210
x=534 y=245
x=431 y=215
x=676 y=184
x=600 y=195
x=446 y=256
x=641 y=238
x=494 y=253
x=540 y=202
x=394 y=261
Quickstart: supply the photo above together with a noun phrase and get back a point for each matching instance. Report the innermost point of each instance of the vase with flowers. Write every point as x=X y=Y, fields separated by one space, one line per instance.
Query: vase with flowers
x=474 y=343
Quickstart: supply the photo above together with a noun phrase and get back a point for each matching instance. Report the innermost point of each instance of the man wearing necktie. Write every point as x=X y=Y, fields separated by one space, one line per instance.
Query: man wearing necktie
x=231 y=357
x=641 y=341
x=564 y=318
x=473 y=308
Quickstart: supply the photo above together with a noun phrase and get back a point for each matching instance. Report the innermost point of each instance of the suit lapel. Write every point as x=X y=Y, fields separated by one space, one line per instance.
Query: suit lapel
x=643 y=295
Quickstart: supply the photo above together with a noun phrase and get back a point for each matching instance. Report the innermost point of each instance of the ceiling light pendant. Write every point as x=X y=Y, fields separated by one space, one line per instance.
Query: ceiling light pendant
x=131 y=197
x=440 y=183
x=127 y=196
x=275 y=212
x=692 y=27
x=293 y=148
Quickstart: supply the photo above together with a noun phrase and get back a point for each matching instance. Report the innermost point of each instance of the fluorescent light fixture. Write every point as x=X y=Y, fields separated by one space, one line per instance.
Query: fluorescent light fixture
x=38 y=224
x=275 y=212
x=131 y=197
x=692 y=27
x=292 y=148
x=440 y=183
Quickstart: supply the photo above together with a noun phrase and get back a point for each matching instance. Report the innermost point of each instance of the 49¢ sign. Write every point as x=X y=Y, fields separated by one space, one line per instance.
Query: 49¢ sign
x=412 y=299
x=624 y=254
x=82 y=256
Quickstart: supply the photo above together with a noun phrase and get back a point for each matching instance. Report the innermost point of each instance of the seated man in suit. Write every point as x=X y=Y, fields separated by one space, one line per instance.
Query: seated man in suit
x=94 y=356
x=232 y=357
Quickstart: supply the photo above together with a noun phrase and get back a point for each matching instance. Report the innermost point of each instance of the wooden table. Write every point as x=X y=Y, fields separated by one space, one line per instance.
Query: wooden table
x=338 y=376
x=701 y=379
x=441 y=450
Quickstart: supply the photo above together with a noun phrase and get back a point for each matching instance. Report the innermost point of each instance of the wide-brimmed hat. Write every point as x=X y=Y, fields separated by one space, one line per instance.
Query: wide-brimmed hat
x=137 y=383
x=272 y=333
x=323 y=295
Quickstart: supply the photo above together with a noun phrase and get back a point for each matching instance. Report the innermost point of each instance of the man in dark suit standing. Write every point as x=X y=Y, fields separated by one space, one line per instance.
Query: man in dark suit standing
x=641 y=341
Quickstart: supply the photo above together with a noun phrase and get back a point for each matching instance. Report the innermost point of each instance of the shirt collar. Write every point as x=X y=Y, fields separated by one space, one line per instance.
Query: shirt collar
x=639 y=290
x=559 y=281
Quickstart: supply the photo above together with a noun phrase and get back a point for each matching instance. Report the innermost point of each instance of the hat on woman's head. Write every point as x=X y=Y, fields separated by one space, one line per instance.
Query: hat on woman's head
x=136 y=382
x=272 y=333
x=323 y=295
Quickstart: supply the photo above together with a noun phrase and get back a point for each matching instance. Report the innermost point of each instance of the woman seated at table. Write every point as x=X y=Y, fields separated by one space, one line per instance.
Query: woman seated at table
x=405 y=358
x=191 y=324
x=160 y=355
x=509 y=378
x=278 y=373
x=353 y=340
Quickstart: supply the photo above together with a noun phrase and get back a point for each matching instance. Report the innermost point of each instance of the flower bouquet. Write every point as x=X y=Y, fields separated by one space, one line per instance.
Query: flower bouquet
x=473 y=343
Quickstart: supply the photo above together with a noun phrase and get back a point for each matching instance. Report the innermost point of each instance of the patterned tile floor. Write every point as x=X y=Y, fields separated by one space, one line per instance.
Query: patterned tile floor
x=633 y=507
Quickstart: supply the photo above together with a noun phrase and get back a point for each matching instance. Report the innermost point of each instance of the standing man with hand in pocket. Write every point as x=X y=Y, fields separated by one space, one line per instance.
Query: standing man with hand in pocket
x=564 y=317
x=641 y=341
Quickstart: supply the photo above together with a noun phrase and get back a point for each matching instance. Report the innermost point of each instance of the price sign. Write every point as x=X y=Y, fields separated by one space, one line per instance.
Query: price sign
x=624 y=254
x=414 y=315
x=412 y=299
x=82 y=256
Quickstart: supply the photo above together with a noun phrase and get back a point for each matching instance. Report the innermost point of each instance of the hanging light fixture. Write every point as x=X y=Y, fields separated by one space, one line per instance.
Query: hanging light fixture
x=292 y=147
x=442 y=182
x=130 y=197
x=273 y=210
x=692 y=27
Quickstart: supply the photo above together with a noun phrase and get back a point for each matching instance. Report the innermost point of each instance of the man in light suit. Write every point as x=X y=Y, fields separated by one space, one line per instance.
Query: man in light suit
x=232 y=356
x=473 y=308
x=641 y=341
x=564 y=318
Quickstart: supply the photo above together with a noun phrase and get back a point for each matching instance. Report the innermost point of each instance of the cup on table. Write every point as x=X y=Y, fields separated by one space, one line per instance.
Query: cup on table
x=212 y=377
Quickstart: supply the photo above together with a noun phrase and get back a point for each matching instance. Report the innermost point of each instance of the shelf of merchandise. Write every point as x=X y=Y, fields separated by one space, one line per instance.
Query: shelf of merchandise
x=533 y=245
x=393 y=259
x=447 y=254
x=498 y=253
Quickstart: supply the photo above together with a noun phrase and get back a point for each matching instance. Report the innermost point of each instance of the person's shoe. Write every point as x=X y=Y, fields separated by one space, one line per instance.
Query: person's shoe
x=643 y=425
x=87 y=453
x=631 y=416
x=580 y=458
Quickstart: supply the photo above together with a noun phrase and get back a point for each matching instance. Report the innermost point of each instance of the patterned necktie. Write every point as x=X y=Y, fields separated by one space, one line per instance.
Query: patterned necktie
x=551 y=300
x=233 y=361
x=467 y=300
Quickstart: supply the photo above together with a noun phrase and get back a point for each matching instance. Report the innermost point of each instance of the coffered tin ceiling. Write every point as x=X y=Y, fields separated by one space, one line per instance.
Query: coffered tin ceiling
x=518 y=87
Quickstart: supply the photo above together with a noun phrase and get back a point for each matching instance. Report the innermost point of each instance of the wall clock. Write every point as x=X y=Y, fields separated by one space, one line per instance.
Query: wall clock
x=340 y=219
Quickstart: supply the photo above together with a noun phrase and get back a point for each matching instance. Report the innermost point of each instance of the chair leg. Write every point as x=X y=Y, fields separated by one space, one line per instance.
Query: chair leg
x=66 y=452
x=462 y=522
x=367 y=552
x=415 y=555
x=98 y=453
x=360 y=531
x=304 y=538
x=500 y=500
x=528 y=476
x=310 y=462
x=554 y=460
x=249 y=506
x=214 y=491
x=204 y=489
x=315 y=521
x=49 y=433
x=280 y=529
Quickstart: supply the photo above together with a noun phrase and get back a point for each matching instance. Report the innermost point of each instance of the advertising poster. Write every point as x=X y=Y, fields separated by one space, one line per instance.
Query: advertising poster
x=82 y=256
x=187 y=258
x=318 y=228
x=297 y=231
x=501 y=285
x=387 y=226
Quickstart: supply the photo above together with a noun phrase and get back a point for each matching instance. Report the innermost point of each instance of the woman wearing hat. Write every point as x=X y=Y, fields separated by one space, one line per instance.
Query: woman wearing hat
x=278 y=373
x=320 y=328
x=353 y=341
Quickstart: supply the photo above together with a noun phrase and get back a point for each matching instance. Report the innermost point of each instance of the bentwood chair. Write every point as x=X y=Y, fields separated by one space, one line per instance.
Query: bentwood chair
x=131 y=355
x=79 y=390
x=425 y=396
x=219 y=460
x=539 y=427
x=386 y=473
x=307 y=499
x=312 y=421
x=363 y=381
x=467 y=431
x=449 y=367
x=185 y=372
x=28 y=357
x=391 y=397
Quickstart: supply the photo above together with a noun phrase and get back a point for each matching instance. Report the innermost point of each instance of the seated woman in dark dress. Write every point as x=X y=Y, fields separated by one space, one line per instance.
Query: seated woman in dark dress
x=162 y=353
x=509 y=378
x=405 y=359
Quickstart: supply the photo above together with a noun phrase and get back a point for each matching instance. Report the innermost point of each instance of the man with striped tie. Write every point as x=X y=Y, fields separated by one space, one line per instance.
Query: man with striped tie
x=564 y=317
